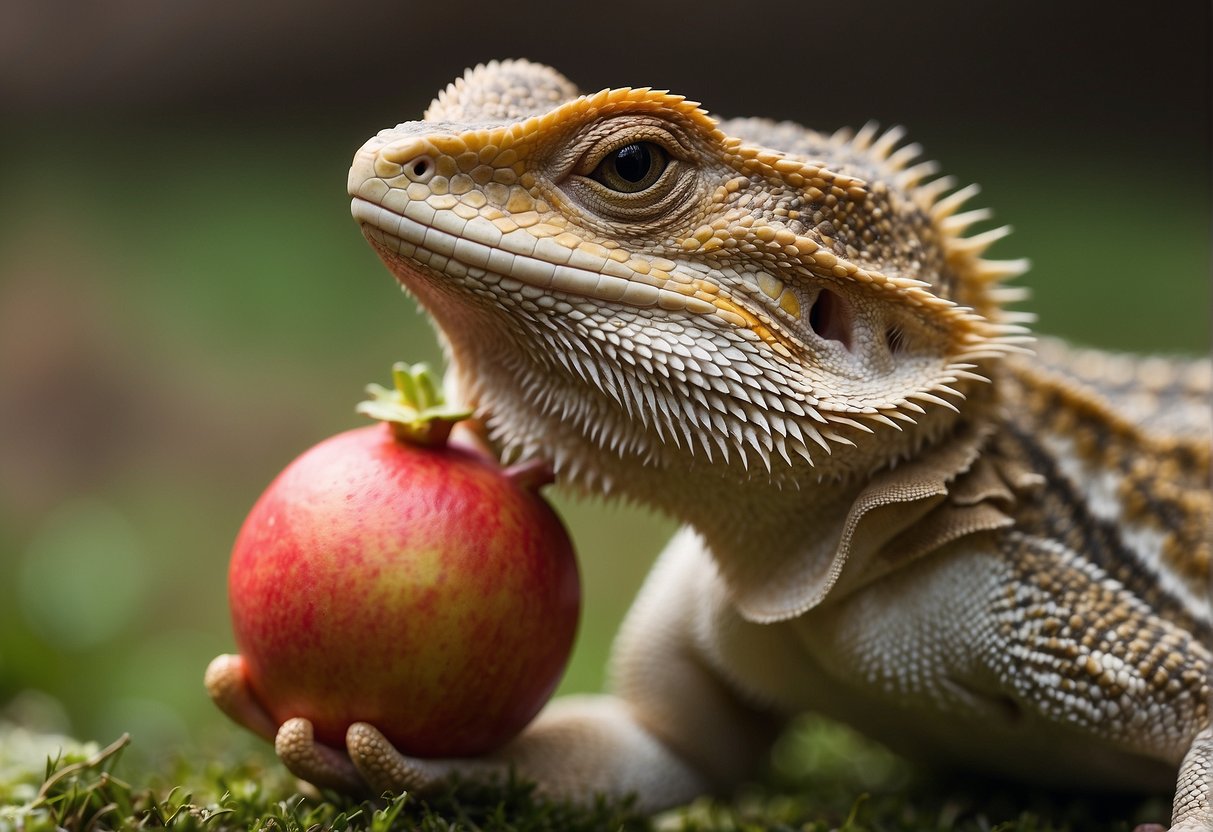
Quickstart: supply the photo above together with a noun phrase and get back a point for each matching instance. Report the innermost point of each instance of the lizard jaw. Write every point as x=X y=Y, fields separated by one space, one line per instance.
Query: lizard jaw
x=458 y=249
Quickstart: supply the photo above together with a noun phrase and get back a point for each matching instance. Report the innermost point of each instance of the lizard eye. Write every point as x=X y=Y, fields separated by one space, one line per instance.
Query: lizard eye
x=632 y=168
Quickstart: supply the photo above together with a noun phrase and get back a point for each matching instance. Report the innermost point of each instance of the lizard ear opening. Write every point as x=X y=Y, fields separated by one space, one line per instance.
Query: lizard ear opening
x=895 y=340
x=830 y=317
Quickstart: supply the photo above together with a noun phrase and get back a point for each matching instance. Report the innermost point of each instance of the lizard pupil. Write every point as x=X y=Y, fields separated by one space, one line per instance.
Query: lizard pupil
x=632 y=168
x=632 y=162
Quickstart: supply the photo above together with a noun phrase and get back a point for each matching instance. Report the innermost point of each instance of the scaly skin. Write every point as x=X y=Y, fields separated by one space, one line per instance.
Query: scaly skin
x=895 y=515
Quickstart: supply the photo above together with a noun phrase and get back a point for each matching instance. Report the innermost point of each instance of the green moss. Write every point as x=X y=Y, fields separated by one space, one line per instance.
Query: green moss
x=823 y=778
x=74 y=787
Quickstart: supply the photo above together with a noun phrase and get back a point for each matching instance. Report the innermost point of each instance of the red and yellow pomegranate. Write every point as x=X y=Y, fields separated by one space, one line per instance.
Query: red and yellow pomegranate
x=389 y=577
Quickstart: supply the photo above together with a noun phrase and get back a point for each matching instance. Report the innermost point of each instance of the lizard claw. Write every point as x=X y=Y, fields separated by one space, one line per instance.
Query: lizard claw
x=385 y=768
x=318 y=764
x=227 y=685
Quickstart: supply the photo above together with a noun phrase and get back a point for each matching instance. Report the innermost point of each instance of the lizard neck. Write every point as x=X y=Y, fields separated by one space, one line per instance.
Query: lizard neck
x=779 y=527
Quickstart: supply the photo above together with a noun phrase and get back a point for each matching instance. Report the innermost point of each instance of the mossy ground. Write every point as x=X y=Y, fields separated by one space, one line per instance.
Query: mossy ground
x=822 y=778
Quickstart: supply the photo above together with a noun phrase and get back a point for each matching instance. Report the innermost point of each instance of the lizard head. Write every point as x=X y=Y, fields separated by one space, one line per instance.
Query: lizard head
x=619 y=278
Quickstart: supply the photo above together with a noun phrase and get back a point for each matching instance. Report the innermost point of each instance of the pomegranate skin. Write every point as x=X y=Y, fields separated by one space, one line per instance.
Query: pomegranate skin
x=418 y=589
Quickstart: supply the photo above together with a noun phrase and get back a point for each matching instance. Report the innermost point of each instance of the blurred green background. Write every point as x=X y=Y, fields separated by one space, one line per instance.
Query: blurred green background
x=185 y=304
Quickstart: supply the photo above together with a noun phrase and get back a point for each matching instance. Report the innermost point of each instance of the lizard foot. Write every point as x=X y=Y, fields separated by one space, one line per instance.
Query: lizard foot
x=385 y=768
x=227 y=685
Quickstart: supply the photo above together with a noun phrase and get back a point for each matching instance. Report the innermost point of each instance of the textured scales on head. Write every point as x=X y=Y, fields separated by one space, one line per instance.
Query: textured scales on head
x=619 y=278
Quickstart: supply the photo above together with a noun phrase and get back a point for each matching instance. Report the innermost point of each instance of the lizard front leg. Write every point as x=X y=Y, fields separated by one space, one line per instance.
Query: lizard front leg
x=1009 y=652
x=1193 y=810
x=672 y=730
x=1135 y=678
x=579 y=746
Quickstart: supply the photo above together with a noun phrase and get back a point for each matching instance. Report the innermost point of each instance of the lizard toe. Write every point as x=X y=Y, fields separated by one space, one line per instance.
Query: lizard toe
x=309 y=760
x=381 y=765
x=227 y=685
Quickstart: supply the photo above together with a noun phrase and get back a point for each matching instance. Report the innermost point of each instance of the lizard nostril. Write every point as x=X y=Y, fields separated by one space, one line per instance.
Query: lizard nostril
x=830 y=318
x=420 y=169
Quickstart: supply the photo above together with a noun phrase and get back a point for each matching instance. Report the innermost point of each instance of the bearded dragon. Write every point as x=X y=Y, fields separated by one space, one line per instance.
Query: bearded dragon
x=896 y=512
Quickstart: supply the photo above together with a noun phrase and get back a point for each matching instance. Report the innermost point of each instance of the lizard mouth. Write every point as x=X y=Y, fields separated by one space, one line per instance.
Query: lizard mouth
x=461 y=249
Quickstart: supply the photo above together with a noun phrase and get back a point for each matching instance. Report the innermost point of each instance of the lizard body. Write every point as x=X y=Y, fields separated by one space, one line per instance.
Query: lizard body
x=894 y=512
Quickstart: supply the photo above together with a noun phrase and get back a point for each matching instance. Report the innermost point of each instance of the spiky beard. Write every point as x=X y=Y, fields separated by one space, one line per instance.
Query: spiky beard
x=610 y=422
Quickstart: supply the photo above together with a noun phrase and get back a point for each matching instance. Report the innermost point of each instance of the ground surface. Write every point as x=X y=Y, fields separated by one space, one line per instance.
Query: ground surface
x=822 y=778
